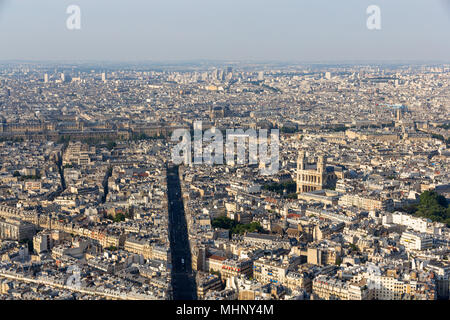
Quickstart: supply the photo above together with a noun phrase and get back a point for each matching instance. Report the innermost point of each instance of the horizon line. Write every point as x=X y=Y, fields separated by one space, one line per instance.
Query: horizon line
x=228 y=61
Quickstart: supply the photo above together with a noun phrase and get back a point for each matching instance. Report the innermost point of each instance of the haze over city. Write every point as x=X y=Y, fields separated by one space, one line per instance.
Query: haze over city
x=286 y=30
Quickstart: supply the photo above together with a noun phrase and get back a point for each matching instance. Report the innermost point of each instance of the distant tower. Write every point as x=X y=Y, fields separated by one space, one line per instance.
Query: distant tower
x=211 y=113
x=261 y=76
x=63 y=77
x=327 y=75
x=45 y=78
x=104 y=76
x=399 y=114
x=215 y=74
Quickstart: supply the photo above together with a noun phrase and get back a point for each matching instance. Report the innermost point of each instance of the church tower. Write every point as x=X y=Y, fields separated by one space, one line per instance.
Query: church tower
x=301 y=161
x=321 y=164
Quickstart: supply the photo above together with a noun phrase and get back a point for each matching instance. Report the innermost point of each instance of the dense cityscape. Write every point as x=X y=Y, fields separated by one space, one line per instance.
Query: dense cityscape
x=92 y=205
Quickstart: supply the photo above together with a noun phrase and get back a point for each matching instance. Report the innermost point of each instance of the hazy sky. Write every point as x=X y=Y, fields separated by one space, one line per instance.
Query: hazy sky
x=299 y=30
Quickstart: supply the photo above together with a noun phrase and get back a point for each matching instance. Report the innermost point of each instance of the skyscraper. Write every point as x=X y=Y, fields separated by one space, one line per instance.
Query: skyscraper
x=261 y=76
x=399 y=114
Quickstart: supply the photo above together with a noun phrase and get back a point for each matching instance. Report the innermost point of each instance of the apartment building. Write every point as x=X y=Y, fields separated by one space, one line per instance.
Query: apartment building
x=416 y=241
x=366 y=202
x=13 y=229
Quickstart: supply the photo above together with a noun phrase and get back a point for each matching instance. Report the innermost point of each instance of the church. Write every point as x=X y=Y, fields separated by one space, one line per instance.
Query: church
x=315 y=176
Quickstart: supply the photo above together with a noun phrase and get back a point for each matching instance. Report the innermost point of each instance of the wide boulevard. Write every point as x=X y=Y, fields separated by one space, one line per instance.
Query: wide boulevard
x=183 y=280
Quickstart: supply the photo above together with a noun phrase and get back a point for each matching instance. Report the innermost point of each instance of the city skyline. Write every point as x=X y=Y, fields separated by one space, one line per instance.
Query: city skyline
x=109 y=188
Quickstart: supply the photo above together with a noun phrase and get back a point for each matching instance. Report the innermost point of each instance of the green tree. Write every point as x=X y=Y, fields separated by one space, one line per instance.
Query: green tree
x=111 y=145
x=235 y=227
x=119 y=217
x=432 y=206
x=289 y=186
x=223 y=222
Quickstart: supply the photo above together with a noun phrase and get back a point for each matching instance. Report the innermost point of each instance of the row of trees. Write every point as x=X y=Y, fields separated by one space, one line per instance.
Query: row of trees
x=110 y=143
x=440 y=137
x=23 y=178
x=235 y=227
x=121 y=216
x=445 y=126
x=144 y=136
x=289 y=186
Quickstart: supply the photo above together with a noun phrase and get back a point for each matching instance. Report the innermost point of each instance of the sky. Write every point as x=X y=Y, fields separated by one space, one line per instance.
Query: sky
x=235 y=30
